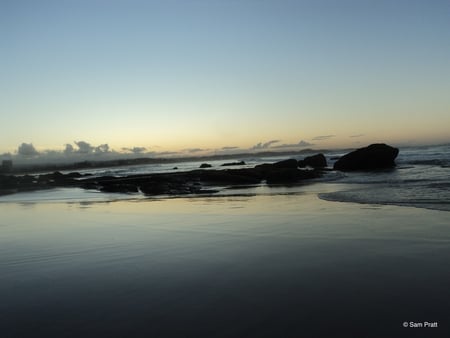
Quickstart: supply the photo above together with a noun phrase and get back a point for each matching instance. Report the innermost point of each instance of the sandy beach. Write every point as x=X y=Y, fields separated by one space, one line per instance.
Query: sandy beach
x=279 y=264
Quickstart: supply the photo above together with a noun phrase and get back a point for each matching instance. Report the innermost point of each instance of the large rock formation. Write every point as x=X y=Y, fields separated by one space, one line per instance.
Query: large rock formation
x=315 y=161
x=375 y=156
x=285 y=164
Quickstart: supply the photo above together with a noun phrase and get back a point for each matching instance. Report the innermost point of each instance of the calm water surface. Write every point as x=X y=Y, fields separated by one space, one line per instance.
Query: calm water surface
x=277 y=265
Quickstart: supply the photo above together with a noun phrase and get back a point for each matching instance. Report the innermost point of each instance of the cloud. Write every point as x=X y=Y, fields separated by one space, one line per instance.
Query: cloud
x=305 y=144
x=301 y=144
x=102 y=149
x=266 y=145
x=167 y=153
x=358 y=135
x=135 y=150
x=84 y=147
x=68 y=149
x=229 y=148
x=323 y=137
x=27 y=149
x=194 y=150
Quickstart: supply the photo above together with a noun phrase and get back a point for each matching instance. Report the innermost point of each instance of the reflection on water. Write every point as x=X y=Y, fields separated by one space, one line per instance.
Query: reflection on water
x=269 y=265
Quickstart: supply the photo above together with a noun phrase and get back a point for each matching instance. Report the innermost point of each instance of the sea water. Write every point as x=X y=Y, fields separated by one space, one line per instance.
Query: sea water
x=421 y=179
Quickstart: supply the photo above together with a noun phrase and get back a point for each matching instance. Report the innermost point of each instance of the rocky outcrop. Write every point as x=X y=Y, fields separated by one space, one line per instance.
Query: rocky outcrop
x=290 y=163
x=119 y=187
x=289 y=175
x=224 y=177
x=169 y=183
x=11 y=184
x=233 y=163
x=315 y=161
x=205 y=165
x=372 y=157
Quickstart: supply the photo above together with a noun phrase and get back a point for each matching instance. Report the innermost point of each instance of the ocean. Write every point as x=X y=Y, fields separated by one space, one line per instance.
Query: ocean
x=421 y=179
x=345 y=255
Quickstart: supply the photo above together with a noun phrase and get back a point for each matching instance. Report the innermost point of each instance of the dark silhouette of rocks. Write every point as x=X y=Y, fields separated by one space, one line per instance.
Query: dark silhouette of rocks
x=315 y=161
x=11 y=184
x=173 y=183
x=238 y=176
x=289 y=175
x=233 y=163
x=290 y=163
x=284 y=172
x=205 y=165
x=119 y=187
x=372 y=157
x=264 y=168
x=166 y=188
x=198 y=181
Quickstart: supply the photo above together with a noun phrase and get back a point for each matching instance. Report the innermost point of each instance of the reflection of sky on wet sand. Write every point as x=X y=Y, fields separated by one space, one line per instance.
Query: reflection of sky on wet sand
x=231 y=265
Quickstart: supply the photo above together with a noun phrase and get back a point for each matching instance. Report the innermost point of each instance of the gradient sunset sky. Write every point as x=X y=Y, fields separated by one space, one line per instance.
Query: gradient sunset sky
x=204 y=74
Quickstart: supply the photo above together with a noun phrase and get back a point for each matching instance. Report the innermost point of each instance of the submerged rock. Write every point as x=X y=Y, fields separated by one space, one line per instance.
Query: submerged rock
x=315 y=161
x=372 y=157
x=233 y=163
x=119 y=187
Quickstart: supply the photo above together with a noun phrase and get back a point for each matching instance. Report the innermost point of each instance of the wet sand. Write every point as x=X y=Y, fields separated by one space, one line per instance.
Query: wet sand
x=277 y=265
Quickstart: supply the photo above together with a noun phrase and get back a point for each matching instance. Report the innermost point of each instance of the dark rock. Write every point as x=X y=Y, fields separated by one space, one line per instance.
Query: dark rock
x=284 y=172
x=264 y=168
x=74 y=175
x=166 y=185
x=119 y=187
x=282 y=175
x=230 y=176
x=155 y=188
x=205 y=165
x=372 y=157
x=233 y=163
x=8 y=182
x=290 y=175
x=315 y=161
x=27 y=180
x=291 y=163
x=89 y=185
x=175 y=168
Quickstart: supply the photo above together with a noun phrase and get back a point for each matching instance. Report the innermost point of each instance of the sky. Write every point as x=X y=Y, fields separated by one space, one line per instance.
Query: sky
x=195 y=76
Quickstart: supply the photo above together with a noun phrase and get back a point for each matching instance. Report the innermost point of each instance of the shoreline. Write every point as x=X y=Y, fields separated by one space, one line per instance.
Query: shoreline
x=319 y=189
